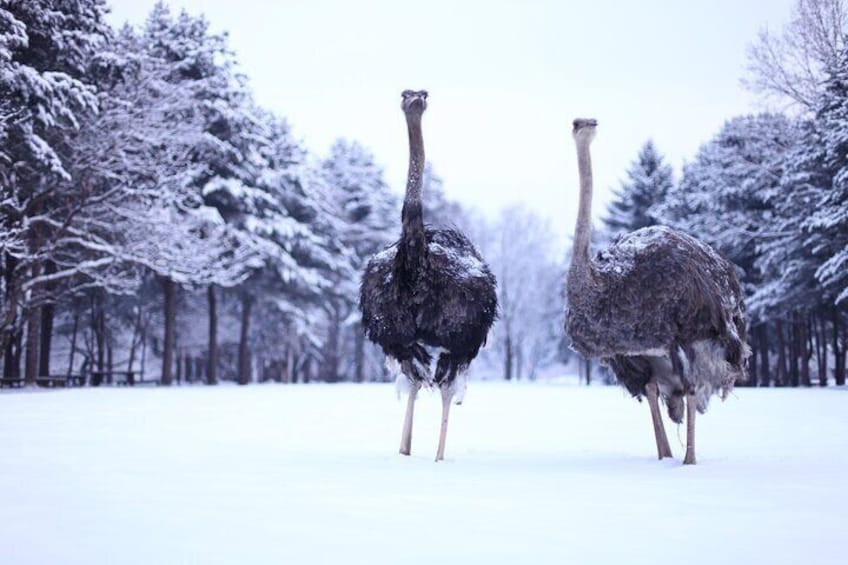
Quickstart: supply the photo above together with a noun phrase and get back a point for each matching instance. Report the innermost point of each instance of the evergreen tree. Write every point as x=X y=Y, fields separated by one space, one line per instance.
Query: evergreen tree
x=369 y=209
x=634 y=205
x=726 y=196
x=369 y=213
x=829 y=220
x=734 y=196
x=45 y=46
x=787 y=255
x=440 y=211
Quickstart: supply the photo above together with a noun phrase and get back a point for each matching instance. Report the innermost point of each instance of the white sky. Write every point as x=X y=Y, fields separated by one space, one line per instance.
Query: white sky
x=505 y=80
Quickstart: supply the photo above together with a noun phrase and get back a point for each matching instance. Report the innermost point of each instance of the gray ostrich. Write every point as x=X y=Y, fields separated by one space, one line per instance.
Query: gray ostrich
x=429 y=289
x=662 y=309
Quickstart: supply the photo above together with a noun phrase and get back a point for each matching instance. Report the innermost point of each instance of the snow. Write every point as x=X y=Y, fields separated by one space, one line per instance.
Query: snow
x=465 y=265
x=620 y=257
x=535 y=473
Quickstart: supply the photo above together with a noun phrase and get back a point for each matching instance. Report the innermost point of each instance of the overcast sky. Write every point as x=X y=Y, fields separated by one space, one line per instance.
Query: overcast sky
x=505 y=80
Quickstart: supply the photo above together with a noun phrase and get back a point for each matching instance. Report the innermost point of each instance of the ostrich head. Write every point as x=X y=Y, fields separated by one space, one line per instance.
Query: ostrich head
x=584 y=129
x=413 y=103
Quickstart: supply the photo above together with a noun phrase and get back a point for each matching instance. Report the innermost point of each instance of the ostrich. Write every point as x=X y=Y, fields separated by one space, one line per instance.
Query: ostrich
x=429 y=289
x=662 y=309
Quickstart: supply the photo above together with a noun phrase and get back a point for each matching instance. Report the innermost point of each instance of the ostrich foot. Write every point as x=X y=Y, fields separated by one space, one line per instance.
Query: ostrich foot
x=663 y=448
x=406 y=435
x=447 y=395
x=691 y=406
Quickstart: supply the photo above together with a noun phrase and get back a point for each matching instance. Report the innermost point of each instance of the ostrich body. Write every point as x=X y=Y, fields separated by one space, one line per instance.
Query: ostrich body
x=662 y=309
x=429 y=289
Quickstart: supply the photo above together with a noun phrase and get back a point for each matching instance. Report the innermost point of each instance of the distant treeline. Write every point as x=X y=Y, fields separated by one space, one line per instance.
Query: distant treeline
x=156 y=222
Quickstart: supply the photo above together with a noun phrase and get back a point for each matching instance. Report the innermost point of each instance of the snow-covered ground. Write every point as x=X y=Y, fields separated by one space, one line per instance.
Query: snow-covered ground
x=538 y=473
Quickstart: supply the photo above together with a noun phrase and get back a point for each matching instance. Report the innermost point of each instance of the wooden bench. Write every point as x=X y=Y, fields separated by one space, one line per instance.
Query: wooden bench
x=52 y=381
x=49 y=381
x=121 y=378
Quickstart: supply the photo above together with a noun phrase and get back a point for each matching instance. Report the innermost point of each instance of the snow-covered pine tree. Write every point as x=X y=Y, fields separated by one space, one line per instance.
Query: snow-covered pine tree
x=225 y=160
x=726 y=193
x=262 y=182
x=830 y=216
x=649 y=180
x=45 y=46
x=787 y=254
x=369 y=214
x=291 y=217
x=828 y=223
x=439 y=210
x=369 y=208
x=802 y=263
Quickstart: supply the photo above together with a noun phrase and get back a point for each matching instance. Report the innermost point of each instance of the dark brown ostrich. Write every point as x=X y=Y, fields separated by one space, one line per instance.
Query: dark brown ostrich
x=429 y=289
x=662 y=309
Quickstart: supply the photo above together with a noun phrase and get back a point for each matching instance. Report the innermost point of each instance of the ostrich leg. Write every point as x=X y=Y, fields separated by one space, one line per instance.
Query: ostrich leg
x=691 y=406
x=447 y=396
x=406 y=436
x=663 y=449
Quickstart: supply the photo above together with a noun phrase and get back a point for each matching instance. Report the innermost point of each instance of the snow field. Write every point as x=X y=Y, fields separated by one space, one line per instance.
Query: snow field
x=535 y=473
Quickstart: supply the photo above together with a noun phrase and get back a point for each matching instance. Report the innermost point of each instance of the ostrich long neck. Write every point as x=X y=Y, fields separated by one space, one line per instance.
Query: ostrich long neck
x=412 y=215
x=580 y=262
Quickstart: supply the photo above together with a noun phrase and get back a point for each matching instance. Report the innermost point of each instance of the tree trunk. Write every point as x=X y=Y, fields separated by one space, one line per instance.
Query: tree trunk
x=19 y=351
x=508 y=357
x=212 y=362
x=33 y=332
x=12 y=360
x=519 y=361
x=32 y=338
x=751 y=379
x=805 y=348
x=134 y=340
x=329 y=369
x=168 y=341
x=189 y=377
x=823 y=345
x=97 y=327
x=844 y=347
x=143 y=349
x=838 y=358
x=781 y=354
x=261 y=367
x=73 y=343
x=814 y=333
x=7 y=324
x=179 y=367
x=243 y=351
x=587 y=364
x=9 y=369
x=198 y=368
x=48 y=311
x=794 y=352
x=47 y=314
x=306 y=369
x=288 y=374
x=109 y=361
x=765 y=375
x=359 y=353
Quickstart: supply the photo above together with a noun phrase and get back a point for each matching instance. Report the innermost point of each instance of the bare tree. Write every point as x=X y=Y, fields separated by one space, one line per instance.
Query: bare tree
x=529 y=282
x=791 y=66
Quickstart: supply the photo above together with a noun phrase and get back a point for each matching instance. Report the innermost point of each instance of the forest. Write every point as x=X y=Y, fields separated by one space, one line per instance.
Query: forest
x=158 y=226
